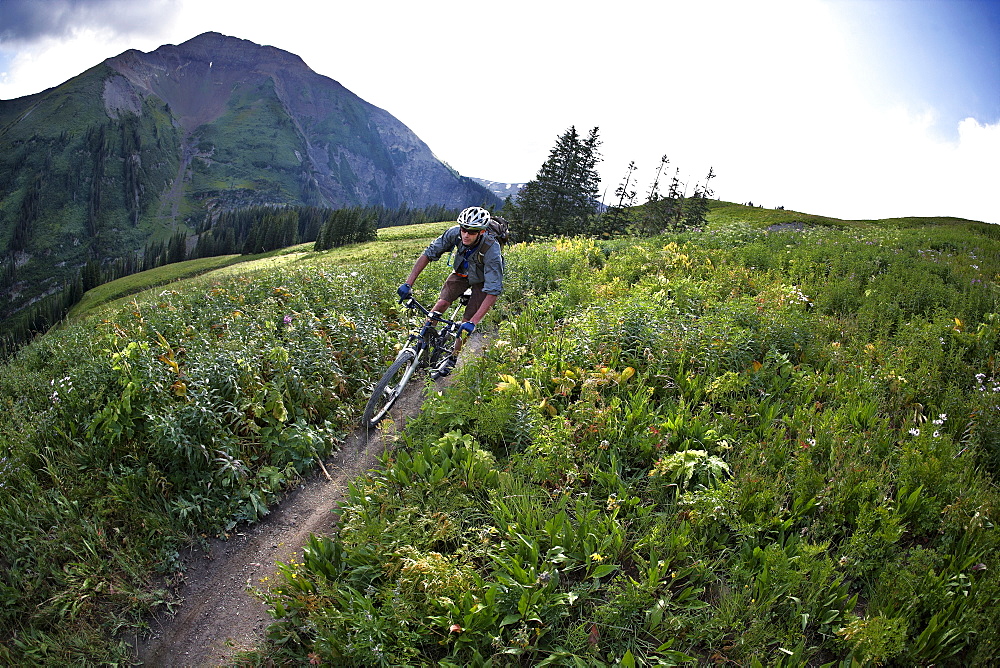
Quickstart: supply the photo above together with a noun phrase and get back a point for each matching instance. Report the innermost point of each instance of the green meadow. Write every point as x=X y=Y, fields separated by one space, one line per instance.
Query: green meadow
x=737 y=445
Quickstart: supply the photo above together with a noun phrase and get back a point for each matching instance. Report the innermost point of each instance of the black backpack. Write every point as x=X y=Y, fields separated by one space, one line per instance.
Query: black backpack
x=497 y=232
x=499 y=229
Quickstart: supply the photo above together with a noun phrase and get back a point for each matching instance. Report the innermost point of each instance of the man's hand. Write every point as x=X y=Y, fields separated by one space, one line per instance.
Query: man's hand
x=404 y=291
x=467 y=327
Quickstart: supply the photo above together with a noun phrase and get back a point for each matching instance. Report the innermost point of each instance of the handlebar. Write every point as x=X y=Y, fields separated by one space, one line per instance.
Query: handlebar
x=411 y=303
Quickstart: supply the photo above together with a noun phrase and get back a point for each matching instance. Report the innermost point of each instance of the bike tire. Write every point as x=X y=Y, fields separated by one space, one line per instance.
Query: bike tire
x=389 y=387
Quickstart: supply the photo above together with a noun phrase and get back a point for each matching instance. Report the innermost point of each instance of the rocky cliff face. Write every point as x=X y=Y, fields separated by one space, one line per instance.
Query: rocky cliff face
x=348 y=152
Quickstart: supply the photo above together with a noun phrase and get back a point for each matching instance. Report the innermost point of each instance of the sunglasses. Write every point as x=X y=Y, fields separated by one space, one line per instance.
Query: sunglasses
x=470 y=230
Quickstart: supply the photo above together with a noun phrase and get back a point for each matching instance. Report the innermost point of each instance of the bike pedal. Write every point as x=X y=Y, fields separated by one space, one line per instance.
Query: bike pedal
x=445 y=368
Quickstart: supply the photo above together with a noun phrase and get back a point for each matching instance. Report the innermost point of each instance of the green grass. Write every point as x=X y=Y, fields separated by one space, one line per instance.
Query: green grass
x=727 y=213
x=763 y=448
x=170 y=273
x=767 y=448
x=393 y=242
x=421 y=231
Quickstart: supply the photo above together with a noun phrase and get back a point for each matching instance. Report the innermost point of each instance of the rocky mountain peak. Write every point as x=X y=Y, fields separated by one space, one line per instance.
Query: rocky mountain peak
x=197 y=77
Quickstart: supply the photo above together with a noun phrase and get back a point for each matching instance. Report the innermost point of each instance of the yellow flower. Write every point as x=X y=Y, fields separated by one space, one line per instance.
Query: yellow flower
x=596 y=557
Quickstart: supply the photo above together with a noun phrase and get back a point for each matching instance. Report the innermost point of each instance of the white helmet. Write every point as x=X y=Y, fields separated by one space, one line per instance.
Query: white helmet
x=475 y=218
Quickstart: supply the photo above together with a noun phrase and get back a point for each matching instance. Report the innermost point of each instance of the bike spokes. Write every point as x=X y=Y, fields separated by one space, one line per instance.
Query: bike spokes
x=389 y=387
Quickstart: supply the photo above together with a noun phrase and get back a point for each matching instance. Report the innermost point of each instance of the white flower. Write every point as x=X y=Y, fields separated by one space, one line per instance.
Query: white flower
x=914 y=432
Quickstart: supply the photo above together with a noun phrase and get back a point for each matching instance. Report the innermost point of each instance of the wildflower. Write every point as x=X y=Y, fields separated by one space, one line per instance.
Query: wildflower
x=596 y=557
x=455 y=628
x=937 y=434
x=914 y=431
x=288 y=319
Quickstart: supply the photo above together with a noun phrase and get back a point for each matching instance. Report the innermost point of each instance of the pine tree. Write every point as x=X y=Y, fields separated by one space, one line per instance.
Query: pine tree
x=696 y=206
x=563 y=196
x=656 y=209
x=664 y=213
x=615 y=220
x=177 y=248
x=654 y=189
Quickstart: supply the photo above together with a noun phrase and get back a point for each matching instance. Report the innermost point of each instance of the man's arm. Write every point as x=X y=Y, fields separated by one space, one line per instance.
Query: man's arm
x=418 y=267
x=493 y=271
x=488 y=302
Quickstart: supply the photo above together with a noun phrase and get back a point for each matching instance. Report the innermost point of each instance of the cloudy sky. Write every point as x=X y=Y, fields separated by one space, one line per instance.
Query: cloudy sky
x=848 y=108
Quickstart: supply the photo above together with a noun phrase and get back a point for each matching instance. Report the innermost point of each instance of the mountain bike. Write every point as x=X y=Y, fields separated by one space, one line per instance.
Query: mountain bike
x=434 y=345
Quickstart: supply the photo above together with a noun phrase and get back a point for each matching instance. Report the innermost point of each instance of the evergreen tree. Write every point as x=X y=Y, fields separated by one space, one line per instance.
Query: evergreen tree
x=656 y=209
x=654 y=189
x=563 y=196
x=696 y=206
x=27 y=215
x=675 y=202
x=176 y=248
x=615 y=220
x=90 y=275
x=664 y=213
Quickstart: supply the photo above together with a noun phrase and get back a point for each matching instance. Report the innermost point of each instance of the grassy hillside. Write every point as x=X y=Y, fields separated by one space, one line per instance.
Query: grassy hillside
x=731 y=445
x=413 y=238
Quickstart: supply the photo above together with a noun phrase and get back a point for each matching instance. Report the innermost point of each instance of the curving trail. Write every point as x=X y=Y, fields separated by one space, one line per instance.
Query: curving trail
x=218 y=616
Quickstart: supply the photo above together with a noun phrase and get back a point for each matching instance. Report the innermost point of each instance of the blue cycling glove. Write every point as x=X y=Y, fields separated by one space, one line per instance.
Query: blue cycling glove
x=467 y=327
x=404 y=291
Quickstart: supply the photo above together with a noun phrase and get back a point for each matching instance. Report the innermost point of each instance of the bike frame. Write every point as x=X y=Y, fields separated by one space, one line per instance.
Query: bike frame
x=424 y=348
x=427 y=337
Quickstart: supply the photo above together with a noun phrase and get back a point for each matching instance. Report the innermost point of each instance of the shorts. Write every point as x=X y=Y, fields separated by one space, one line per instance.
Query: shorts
x=453 y=288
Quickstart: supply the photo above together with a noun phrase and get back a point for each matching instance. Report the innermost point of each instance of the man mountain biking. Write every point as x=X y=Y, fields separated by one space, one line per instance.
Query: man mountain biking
x=478 y=264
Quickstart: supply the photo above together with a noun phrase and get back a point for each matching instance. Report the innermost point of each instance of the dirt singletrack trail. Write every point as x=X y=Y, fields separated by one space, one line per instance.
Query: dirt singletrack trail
x=218 y=616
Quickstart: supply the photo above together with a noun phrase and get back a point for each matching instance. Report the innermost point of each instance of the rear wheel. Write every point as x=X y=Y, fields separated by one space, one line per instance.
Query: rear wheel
x=389 y=387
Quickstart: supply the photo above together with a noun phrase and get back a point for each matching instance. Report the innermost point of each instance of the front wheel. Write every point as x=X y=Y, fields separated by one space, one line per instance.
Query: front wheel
x=389 y=387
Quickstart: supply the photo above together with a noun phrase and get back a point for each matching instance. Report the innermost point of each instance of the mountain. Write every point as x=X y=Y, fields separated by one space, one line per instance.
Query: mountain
x=145 y=145
x=501 y=189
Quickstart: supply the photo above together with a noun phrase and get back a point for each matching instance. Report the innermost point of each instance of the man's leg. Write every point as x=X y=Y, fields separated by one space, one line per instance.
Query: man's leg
x=475 y=301
x=452 y=289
